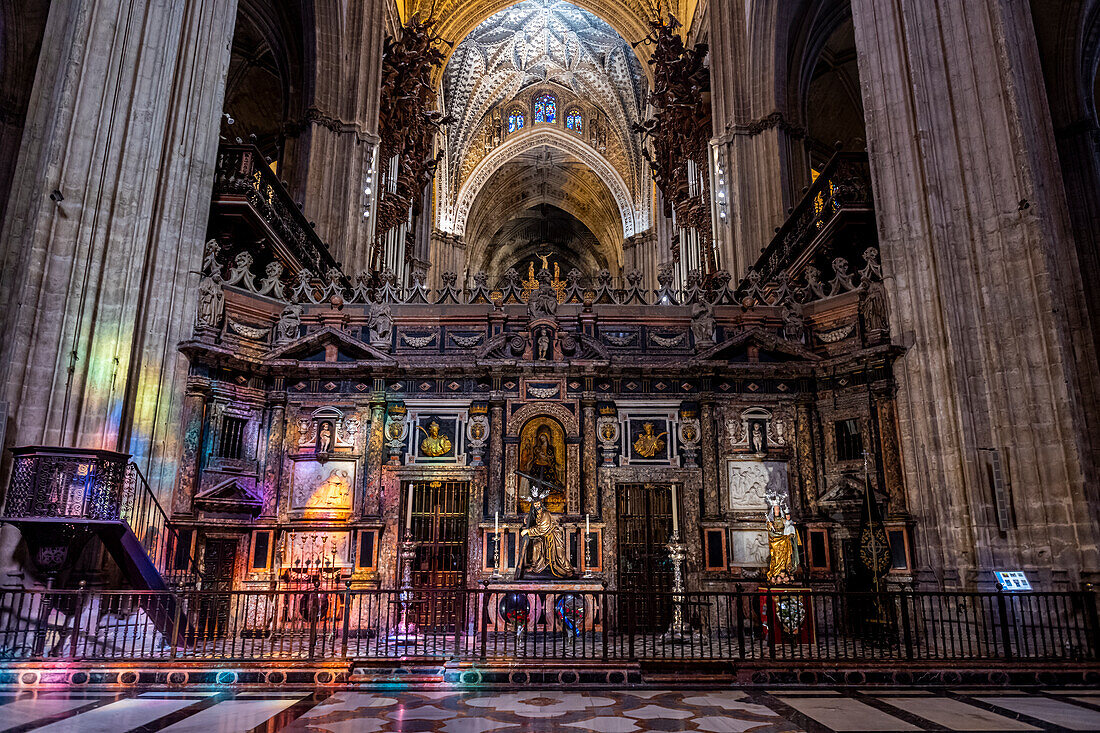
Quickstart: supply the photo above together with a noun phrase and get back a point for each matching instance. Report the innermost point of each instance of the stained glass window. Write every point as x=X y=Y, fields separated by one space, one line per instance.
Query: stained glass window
x=573 y=120
x=515 y=121
x=546 y=108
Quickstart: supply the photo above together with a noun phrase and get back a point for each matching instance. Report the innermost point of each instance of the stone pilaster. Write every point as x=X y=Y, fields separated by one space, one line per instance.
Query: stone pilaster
x=495 y=484
x=983 y=288
x=589 y=480
x=375 y=456
x=804 y=457
x=709 y=459
x=273 y=455
x=194 y=419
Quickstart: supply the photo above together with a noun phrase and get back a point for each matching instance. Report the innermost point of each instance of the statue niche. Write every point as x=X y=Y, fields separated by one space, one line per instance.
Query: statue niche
x=542 y=471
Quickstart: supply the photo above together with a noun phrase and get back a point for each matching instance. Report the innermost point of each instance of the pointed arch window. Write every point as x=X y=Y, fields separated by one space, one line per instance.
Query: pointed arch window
x=573 y=121
x=516 y=119
x=546 y=108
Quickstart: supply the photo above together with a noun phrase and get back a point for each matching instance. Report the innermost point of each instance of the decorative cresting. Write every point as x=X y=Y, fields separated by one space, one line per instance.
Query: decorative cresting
x=679 y=131
x=633 y=220
x=407 y=124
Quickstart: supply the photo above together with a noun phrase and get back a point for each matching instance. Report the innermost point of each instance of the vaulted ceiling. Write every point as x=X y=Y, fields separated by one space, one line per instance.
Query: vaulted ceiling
x=532 y=47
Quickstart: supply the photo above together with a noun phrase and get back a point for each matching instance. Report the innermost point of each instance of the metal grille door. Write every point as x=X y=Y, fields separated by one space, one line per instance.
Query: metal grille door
x=644 y=526
x=439 y=527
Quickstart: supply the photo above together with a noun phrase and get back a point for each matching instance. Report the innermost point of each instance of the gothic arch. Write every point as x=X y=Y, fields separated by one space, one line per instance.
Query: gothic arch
x=633 y=221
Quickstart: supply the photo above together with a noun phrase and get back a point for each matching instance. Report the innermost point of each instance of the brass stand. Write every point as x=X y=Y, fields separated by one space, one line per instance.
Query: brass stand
x=679 y=632
x=405 y=632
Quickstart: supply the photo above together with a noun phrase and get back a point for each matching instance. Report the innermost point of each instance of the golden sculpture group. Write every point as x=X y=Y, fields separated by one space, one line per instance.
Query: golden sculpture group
x=784 y=556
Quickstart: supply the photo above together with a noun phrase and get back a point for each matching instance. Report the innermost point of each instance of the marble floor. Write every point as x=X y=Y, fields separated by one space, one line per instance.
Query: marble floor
x=603 y=711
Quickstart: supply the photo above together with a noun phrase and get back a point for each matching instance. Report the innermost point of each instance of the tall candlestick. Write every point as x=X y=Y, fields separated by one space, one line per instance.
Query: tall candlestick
x=409 y=516
x=675 y=514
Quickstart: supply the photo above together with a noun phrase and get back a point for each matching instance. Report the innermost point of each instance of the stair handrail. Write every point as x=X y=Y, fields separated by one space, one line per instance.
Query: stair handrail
x=155 y=532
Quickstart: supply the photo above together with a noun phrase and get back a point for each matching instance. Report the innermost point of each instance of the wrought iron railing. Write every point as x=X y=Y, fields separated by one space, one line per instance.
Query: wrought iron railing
x=843 y=185
x=50 y=482
x=793 y=627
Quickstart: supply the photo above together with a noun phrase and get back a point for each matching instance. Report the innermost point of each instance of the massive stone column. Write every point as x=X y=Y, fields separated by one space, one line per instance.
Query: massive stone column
x=984 y=295
x=98 y=283
x=333 y=153
x=752 y=131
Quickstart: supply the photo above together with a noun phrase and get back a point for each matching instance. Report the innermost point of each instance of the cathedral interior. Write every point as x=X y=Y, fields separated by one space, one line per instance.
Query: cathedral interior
x=344 y=332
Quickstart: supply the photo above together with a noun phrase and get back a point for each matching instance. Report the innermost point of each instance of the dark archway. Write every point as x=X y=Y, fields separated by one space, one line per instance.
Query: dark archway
x=22 y=24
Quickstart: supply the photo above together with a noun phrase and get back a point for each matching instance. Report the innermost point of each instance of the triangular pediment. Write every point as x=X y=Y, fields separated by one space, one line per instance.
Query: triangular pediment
x=754 y=344
x=329 y=345
x=229 y=496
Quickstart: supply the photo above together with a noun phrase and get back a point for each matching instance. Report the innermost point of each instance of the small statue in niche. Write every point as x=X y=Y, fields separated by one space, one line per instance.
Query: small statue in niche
x=434 y=444
x=324 y=438
x=542 y=344
x=702 y=324
x=290 y=322
x=211 y=301
x=647 y=444
x=784 y=554
x=758 y=437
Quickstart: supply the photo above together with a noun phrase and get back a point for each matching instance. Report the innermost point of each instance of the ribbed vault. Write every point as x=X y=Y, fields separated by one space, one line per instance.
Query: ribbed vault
x=545 y=176
x=528 y=49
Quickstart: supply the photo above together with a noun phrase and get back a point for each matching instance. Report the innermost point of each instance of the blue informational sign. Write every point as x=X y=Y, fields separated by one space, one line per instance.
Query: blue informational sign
x=1012 y=580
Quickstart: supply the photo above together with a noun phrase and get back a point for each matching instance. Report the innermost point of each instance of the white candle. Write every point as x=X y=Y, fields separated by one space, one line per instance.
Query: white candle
x=409 y=516
x=496 y=523
x=675 y=513
x=587 y=528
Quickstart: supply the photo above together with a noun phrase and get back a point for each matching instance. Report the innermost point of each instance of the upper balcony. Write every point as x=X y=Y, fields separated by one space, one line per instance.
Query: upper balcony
x=835 y=218
x=250 y=205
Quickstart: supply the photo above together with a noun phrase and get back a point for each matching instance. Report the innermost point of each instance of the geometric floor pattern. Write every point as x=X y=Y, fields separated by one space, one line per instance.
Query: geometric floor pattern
x=604 y=711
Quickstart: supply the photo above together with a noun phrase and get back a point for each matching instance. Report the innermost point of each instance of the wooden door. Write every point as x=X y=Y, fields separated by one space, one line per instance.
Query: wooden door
x=644 y=513
x=439 y=528
x=219 y=567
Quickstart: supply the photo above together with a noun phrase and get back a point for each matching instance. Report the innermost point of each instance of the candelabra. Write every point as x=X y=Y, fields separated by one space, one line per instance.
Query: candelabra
x=405 y=633
x=678 y=632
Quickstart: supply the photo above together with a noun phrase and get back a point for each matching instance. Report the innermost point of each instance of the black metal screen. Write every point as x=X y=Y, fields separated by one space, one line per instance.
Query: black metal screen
x=439 y=524
x=644 y=526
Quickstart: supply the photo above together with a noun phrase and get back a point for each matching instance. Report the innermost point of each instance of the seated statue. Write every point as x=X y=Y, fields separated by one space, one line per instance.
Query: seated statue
x=549 y=555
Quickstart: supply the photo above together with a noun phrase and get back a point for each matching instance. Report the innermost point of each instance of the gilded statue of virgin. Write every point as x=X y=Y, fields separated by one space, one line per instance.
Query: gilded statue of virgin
x=542 y=455
x=784 y=557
